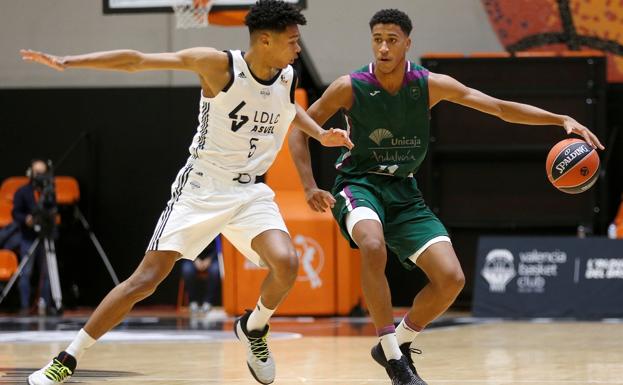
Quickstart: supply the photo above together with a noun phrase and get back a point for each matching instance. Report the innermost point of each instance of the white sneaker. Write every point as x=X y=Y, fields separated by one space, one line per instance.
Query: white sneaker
x=206 y=307
x=259 y=359
x=194 y=308
x=41 y=306
x=59 y=370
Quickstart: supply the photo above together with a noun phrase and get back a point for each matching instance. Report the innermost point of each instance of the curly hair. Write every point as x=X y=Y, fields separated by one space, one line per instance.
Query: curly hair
x=392 y=16
x=273 y=15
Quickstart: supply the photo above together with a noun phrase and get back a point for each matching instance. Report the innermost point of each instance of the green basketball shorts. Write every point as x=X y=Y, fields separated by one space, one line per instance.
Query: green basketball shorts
x=409 y=226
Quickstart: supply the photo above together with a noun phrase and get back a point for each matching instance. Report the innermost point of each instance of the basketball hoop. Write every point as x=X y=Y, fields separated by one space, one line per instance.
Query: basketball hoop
x=192 y=13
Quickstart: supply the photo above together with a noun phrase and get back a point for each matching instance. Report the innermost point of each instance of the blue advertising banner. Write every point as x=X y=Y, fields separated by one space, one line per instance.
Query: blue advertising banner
x=519 y=277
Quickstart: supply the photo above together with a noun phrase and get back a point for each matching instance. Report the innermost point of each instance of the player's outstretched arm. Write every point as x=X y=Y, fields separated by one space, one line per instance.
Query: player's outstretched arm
x=325 y=107
x=443 y=87
x=199 y=60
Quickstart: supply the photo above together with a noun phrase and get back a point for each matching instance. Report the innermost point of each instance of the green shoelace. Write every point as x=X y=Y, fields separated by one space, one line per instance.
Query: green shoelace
x=57 y=371
x=259 y=348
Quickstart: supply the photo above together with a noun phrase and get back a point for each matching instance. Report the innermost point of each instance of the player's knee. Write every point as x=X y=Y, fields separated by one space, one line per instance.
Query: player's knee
x=459 y=280
x=453 y=282
x=372 y=247
x=373 y=254
x=140 y=286
x=285 y=267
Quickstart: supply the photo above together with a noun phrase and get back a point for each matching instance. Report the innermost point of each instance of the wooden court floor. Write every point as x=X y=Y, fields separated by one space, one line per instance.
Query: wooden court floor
x=484 y=353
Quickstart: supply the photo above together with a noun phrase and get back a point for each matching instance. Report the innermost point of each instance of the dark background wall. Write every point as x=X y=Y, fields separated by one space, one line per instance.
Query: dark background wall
x=128 y=145
x=125 y=146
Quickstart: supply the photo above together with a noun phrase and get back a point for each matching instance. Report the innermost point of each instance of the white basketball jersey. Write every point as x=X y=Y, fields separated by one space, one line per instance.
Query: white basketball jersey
x=243 y=127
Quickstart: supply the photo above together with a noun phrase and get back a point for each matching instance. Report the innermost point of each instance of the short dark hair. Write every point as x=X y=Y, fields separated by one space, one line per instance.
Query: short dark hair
x=392 y=16
x=273 y=15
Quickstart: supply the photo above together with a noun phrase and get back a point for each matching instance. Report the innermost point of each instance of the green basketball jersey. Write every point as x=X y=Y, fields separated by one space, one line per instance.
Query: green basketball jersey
x=390 y=132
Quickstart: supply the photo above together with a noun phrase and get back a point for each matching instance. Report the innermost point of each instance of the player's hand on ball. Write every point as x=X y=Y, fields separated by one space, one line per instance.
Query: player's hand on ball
x=319 y=200
x=573 y=127
x=43 y=58
x=334 y=137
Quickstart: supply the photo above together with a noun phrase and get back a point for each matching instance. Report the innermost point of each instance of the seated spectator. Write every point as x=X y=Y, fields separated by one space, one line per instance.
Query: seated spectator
x=27 y=214
x=202 y=280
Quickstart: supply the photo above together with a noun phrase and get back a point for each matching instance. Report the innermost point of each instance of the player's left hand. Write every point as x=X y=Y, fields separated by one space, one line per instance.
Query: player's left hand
x=43 y=58
x=573 y=127
x=334 y=137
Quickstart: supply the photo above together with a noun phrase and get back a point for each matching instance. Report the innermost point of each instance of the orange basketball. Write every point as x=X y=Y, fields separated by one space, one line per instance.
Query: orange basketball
x=572 y=166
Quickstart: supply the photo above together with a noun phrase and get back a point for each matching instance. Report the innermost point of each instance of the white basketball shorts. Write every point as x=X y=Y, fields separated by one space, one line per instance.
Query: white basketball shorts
x=203 y=206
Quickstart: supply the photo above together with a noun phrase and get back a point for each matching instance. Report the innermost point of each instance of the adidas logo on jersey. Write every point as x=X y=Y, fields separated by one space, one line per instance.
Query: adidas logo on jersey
x=242 y=75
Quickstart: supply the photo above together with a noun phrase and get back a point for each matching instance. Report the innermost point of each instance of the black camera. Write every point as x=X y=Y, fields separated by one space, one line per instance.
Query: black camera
x=44 y=214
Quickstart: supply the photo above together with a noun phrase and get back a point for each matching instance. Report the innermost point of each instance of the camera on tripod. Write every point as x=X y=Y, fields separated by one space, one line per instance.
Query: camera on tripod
x=44 y=214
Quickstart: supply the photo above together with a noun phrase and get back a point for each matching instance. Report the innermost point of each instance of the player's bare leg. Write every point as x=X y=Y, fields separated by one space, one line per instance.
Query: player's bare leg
x=154 y=268
x=446 y=280
x=276 y=250
x=156 y=265
x=368 y=235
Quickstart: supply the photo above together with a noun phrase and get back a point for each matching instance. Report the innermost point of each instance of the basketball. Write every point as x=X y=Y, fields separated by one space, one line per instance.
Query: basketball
x=572 y=166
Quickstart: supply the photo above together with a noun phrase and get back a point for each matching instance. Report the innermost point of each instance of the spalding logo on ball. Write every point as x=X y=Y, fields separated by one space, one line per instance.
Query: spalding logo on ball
x=572 y=166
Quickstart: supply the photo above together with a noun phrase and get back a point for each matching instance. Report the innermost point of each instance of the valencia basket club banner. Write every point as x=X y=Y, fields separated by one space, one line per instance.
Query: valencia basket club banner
x=525 y=277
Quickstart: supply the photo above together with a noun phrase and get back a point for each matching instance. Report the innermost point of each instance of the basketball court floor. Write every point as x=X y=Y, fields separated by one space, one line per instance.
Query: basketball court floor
x=164 y=347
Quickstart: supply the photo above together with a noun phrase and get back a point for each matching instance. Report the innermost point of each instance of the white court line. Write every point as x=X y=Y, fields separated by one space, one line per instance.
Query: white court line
x=133 y=336
x=304 y=380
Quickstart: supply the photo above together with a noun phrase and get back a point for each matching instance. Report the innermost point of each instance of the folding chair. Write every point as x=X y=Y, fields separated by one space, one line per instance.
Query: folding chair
x=10 y=185
x=8 y=264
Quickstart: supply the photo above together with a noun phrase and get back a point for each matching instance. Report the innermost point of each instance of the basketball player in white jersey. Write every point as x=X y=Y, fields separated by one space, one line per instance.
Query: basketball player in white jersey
x=247 y=104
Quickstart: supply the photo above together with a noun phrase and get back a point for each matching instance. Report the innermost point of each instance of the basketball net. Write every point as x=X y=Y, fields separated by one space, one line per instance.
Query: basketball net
x=192 y=13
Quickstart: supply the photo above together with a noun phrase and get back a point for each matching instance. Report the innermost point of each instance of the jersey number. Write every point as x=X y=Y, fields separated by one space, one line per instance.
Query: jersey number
x=233 y=115
x=253 y=147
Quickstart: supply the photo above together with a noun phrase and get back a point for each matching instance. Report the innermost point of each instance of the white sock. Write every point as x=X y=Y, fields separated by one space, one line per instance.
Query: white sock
x=80 y=344
x=387 y=337
x=390 y=346
x=259 y=317
x=407 y=331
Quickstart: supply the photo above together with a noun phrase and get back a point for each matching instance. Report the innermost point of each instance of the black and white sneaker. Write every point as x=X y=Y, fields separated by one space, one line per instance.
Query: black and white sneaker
x=379 y=356
x=259 y=359
x=56 y=372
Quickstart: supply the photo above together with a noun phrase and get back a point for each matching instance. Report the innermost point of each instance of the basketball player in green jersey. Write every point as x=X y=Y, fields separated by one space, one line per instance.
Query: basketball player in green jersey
x=375 y=198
